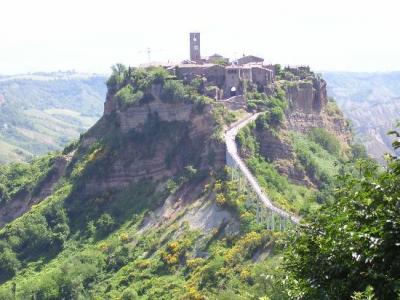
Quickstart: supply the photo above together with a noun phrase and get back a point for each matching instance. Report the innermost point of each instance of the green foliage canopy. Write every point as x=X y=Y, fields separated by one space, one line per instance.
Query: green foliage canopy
x=353 y=243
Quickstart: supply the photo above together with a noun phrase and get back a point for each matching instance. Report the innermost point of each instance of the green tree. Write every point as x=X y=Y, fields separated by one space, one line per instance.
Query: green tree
x=326 y=140
x=9 y=263
x=105 y=224
x=129 y=294
x=276 y=116
x=173 y=91
x=353 y=243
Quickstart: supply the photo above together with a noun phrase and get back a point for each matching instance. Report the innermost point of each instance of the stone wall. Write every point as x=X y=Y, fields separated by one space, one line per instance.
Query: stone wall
x=216 y=75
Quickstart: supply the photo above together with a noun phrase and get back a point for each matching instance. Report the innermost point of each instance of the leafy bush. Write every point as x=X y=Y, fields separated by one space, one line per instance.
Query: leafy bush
x=270 y=119
x=276 y=116
x=129 y=294
x=329 y=142
x=9 y=262
x=321 y=166
x=174 y=91
x=127 y=96
x=105 y=224
x=352 y=244
x=117 y=77
x=222 y=117
x=246 y=139
x=275 y=105
x=358 y=151
x=262 y=121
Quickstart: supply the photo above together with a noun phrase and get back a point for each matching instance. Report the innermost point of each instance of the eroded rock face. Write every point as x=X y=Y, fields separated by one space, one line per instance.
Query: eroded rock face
x=273 y=147
x=307 y=103
x=181 y=136
x=136 y=116
x=303 y=122
x=307 y=110
x=308 y=96
x=280 y=152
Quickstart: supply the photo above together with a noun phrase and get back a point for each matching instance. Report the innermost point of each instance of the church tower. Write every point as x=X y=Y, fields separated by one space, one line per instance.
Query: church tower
x=195 y=46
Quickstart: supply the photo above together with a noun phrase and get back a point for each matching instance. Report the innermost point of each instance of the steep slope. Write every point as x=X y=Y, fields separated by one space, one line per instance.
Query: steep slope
x=372 y=102
x=299 y=142
x=143 y=206
x=43 y=112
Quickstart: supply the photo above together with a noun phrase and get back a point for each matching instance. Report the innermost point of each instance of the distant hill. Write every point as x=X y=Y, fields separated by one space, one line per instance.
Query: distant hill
x=372 y=102
x=42 y=112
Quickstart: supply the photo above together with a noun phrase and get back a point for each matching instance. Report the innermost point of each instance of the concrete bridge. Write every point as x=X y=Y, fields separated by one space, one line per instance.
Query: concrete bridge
x=275 y=217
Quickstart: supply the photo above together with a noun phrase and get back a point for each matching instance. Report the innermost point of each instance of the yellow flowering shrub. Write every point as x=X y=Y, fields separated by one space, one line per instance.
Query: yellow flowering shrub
x=220 y=199
x=194 y=262
x=103 y=247
x=244 y=247
x=123 y=237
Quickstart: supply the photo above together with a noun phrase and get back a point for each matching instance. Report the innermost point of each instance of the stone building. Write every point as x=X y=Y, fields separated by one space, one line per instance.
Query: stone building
x=228 y=78
x=215 y=74
x=234 y=78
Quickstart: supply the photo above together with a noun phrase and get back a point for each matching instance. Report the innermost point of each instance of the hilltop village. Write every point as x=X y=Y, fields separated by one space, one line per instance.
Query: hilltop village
x=223 y=78
x=221 y=72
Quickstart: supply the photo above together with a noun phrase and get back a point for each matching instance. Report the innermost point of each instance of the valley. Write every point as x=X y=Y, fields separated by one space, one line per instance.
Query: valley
x=45 y=111
x=372 y=102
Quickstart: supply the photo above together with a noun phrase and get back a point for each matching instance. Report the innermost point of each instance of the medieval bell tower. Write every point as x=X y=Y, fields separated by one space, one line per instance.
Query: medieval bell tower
x=195 y=46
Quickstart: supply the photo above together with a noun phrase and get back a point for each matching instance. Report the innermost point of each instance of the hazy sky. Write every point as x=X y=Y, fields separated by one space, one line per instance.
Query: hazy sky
x=91 y=35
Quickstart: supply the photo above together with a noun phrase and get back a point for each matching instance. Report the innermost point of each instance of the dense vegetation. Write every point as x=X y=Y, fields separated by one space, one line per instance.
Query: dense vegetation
x=16 y=179
x=317 y=155
x=351 y=247
x=134 y=86
x=110 y=258
x=292 y=197
x=76 y=246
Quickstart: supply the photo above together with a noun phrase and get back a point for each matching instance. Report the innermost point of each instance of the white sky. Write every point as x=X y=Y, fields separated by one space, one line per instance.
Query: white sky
x=91 y=35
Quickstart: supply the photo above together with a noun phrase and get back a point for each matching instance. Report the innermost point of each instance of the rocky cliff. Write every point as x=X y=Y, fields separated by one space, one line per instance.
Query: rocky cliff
x=309 y=108
x=308 y=96
x=153 y=140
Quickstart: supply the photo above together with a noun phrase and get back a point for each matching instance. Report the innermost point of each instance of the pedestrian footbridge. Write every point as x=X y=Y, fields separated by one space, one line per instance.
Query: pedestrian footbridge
x=274 y=217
